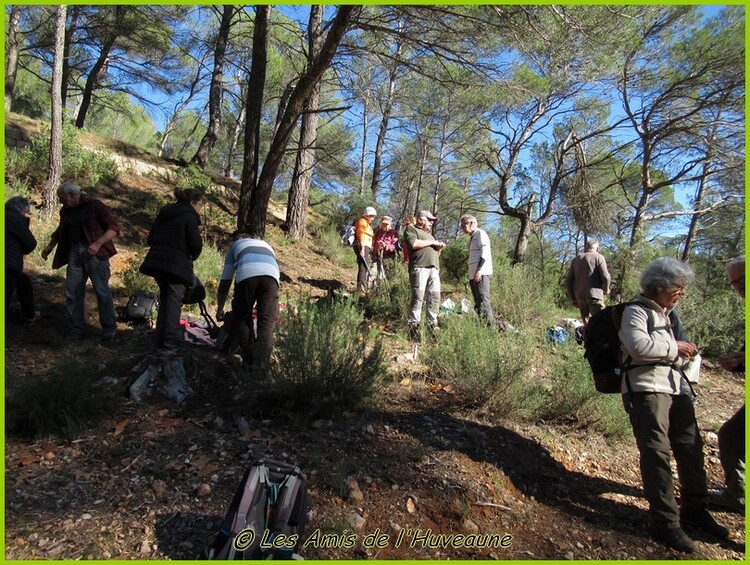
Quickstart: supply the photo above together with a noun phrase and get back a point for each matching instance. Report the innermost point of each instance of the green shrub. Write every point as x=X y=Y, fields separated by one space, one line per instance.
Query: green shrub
x=325 y=363
x=487 y=367
x=517 y=296
x=716 y=322
x=389 y=300
x=63 y=404
x=565 y=393
x=328 y=244
x=192 y=177
x=132 y=279
x=86 y=168
x=208 y=267
x=454 y=261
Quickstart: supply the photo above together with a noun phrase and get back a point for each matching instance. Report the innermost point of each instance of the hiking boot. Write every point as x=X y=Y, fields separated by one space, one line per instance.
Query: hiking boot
x=721 y=499
x=703 y=521
x=674 y=538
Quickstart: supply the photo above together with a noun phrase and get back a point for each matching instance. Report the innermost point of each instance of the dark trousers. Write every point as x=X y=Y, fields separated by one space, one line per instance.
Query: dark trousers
x=732 y=453
x=261 y=293
x=363 y=267
x=19 y=282
x=481 y=293
x=169 y=333
x=663 y=423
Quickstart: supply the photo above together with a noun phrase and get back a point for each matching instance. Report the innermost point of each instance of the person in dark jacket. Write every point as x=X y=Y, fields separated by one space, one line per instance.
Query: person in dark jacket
x=84 y=243
x=19 y=241
x=175 y=242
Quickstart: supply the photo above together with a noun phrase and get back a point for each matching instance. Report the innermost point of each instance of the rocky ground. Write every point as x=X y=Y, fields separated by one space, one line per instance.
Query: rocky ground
x=152 y=481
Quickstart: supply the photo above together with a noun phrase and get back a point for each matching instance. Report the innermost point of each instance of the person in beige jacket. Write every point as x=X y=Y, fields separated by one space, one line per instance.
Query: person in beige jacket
x=588 y=281
x=659 y=402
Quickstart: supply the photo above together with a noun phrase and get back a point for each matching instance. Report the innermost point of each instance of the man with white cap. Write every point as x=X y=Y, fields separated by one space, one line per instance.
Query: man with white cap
x=363 y=234
x=424 y=272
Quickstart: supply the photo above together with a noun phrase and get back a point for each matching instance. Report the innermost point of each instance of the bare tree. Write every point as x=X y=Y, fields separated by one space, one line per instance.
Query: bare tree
x=49 y=193
x=299 y=191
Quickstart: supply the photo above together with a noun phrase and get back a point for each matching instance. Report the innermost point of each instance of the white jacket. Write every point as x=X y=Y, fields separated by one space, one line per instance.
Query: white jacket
x=648 y=345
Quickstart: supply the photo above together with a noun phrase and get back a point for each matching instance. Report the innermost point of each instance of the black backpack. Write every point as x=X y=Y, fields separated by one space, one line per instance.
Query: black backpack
x=140 y=307
x=267 y=516
x=602 y=348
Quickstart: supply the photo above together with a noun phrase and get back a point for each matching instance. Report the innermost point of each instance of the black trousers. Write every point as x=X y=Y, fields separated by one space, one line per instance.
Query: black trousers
x=18 y=281
x=363 y=268
x=169 y=333
x=261 y=294
x=665 y=424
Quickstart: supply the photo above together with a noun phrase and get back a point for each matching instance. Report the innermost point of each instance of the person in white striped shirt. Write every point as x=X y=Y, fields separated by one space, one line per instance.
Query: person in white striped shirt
x=251 y=262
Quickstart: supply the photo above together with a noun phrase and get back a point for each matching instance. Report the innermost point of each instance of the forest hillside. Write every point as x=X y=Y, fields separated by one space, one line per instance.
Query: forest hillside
x=476 y=431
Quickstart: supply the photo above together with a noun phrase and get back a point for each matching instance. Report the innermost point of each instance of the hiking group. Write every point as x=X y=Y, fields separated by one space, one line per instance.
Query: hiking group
x=651 y=346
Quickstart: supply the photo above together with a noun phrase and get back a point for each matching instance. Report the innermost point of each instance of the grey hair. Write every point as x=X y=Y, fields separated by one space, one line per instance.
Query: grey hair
x=19 y=204
x=591 y=245
x=69 y=187
x=735 y=262
x=467 y=219
x=665 y=273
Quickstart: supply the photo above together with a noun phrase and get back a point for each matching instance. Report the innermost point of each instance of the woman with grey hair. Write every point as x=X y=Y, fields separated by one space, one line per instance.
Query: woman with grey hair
x=659 y=401
x=19 y=241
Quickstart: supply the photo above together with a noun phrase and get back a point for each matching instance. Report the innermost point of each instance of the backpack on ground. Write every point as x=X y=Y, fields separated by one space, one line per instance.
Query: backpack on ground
x=225 y=341
x=347 y=235
x=140 y=308
x=602 y=348
x=267 y=516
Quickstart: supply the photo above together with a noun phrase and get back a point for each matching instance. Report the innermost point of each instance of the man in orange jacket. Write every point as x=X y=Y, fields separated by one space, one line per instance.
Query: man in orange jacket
x=363 y=234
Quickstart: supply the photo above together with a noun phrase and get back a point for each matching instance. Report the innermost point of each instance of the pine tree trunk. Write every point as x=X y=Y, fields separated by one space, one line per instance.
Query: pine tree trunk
x=11 y=55
x=217 y=86
x=49 y=195
x=299 y=191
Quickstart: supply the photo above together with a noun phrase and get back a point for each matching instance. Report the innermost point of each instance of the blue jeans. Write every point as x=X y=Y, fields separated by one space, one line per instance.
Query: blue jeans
x=82 y=266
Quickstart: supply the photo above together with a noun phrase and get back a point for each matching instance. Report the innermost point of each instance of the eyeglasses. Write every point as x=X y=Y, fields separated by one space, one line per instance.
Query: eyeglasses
x=678 y=290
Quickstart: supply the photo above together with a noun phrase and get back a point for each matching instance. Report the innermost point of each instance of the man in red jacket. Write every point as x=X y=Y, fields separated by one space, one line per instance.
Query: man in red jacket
x=84 y=243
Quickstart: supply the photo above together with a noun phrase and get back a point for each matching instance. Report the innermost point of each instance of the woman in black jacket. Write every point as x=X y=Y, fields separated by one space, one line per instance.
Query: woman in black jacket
x=19 y=241
x=175 y=243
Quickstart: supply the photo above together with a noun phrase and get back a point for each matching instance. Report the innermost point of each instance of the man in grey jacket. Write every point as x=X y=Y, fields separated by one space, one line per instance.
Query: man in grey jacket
x=588 y=281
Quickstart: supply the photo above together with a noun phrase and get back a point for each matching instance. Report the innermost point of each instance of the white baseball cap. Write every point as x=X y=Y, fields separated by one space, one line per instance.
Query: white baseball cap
x=370 y=211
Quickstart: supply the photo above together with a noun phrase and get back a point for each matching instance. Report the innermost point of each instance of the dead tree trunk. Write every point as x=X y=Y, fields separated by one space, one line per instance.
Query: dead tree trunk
x=163 y=373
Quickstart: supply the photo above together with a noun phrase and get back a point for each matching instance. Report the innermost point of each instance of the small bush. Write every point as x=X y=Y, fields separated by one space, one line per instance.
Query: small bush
x=454 y=260
x=192 y=177
x=566 y=394
x=328 y=244
x=517 y=296
x=63 y=404
x=208 y=267
x=325 y=363
x=132 y=279
x=716 y=323
x=389 y=300
x=487 y=367
x=86 y=168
